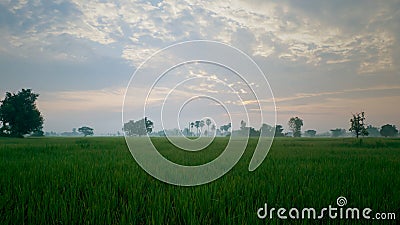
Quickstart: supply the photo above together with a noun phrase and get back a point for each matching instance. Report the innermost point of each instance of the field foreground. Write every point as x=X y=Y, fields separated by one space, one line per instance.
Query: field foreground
x=97 y=181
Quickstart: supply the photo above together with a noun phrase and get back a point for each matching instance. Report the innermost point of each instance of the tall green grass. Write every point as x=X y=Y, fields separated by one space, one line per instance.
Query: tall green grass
x=97 y=181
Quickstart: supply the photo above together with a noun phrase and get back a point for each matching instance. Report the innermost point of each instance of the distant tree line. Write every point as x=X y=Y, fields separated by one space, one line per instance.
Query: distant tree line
x=19 y=116
x=358 y=128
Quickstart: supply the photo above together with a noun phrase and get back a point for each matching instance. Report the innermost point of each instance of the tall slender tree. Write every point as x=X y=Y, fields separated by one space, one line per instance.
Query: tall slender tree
x=191 y=128
x=213 y=128
x=208 y=123
x=197 y=125
x=201 y=126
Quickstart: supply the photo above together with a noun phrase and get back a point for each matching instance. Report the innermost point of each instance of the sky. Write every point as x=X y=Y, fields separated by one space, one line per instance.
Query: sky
x=323 y=59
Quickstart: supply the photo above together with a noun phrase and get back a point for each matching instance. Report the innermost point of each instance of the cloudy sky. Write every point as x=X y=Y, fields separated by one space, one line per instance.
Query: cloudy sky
x=323 y=59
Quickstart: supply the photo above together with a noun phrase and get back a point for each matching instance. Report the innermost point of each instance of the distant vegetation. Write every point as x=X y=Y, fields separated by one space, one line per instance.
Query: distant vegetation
x=19 y=117
x=357 y=127
x=389 y=131
x=138 y=128
x=338 y=132
x=310 y=133
x=86 y=131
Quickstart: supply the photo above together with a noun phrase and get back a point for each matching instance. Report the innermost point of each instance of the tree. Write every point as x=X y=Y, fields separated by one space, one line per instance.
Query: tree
x=389 y=130
x=242 y=125
x=225 y=128
x=208 y=123
x=197 y=125
x=38 y=133
x=86 y=131
x=129 y=128
x=201 y=126
x=357 y=124
x=213 y=128
x=161 y=133
x=373 y=131
x=140 y=127
x=279 y=131
x=19 y=114
x=186 y=131
x=310 y=133
x=222 y=128
x=191 y=128
x=253 y=132
x=266 y=130
x=244 y=131
x=338 y=132
x=149 y=125
x=295 y=124
x=228 y=126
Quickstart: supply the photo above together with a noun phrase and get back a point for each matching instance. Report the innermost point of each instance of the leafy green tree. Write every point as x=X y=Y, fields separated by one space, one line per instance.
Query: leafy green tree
x=279 y=131
x=149 y=125
x=86 y=131
x=222 y=128
x=338 y=132
x=228 y=126
x=140 y=127
x=129 y=128
x=253 y=132
x=373 y=131
x=357 y=125
x=266 y=130
x=295 y=124
x=310 y=133
x=389 y=130
x=19 y=114
x=225 y=128
x=38 y=133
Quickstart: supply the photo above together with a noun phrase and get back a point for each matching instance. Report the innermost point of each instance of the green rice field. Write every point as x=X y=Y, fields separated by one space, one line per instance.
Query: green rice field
x=96 y=181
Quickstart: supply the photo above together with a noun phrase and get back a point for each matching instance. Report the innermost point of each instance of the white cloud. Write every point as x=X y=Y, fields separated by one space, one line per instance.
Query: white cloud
x=277 y=30
x=369 y=90
x=91 y=100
